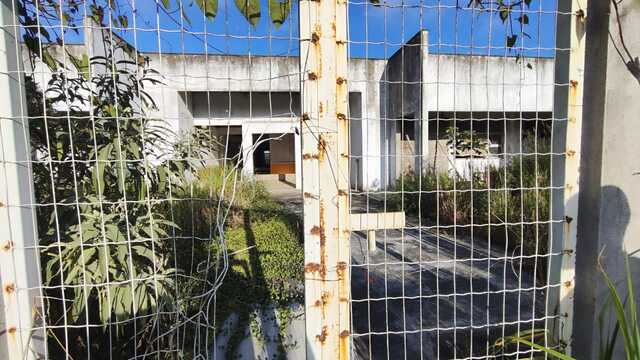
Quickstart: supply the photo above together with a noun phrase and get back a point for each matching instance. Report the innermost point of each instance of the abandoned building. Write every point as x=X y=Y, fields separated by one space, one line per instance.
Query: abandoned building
x=399 y=108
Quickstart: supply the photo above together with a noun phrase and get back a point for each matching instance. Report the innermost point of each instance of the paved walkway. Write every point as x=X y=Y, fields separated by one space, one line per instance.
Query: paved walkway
x=429 y=295
x=283 y=191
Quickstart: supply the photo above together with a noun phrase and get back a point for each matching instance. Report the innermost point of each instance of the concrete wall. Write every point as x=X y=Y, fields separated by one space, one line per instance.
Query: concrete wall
x=403 y=84
x=364 y=77
x=488 y=83
x=430 y=83
x=610 y=189
x=282 y=149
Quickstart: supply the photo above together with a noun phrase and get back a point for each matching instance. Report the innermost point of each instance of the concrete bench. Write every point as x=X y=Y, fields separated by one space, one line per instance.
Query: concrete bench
x=370 y=222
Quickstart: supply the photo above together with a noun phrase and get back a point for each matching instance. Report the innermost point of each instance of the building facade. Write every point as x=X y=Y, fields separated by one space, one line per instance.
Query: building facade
x=400 y=108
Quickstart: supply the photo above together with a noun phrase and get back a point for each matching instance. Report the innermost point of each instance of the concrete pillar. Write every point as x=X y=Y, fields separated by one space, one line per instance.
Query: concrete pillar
x=422 y=139
x=298 y=158
x=21 y=306
x=247 y=151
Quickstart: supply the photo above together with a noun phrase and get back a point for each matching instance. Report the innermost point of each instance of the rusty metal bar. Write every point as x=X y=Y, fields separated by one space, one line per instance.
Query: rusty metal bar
x=325 y=178
x=21 y=335
x=567 y=138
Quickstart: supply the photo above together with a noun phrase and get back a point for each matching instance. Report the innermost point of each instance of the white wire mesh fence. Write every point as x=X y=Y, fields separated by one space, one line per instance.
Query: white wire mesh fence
x=159 y=158
x=144 y=119
x=470 y=114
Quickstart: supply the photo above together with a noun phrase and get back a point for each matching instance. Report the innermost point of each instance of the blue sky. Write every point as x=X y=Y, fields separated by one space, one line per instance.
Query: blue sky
x=374 y=31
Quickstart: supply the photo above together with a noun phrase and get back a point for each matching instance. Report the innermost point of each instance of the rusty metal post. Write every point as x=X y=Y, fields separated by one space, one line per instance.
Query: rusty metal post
x=567 y=128
x=20 y=335
x=325 y=178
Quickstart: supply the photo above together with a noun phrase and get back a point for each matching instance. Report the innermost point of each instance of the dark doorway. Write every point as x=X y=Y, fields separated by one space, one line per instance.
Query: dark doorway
x=261 y=155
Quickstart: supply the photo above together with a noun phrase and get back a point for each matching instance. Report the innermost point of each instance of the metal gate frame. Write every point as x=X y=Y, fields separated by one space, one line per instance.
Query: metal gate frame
x=325 y=176
x=325 y=144
x=324 y=124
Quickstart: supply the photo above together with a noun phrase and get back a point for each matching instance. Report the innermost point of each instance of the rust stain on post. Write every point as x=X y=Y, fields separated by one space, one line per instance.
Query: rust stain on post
x=322 y=148
x=9 y=288
x=344 y=344
x=8 y=245
x=342 y=266
x=323 y=335
x=325 y=97
x=323 y=236
x=315 y=37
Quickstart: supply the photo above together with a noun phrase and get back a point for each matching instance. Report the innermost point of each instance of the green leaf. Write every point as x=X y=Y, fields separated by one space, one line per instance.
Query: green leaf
x=124 y=22
x=49 y=60
x=166 y=4
x=618 y=307
x=250 y=9
x=97 y=13
x=503 y=12
x=549 y=351
x=81 y=64
x=77 y=306
x=208 y=7
x=511 y=40
x=279 y=11
x=98 y=173
x=105 y=310
x=524 y=19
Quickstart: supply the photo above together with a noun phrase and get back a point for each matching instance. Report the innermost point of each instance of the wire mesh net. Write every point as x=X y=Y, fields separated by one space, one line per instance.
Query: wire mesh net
x=146 y=122
x=153 y=160
x=452 y=125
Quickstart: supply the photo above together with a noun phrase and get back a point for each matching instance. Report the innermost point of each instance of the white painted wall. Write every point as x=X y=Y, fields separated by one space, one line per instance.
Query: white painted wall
x=450 y=83
x=488 y=83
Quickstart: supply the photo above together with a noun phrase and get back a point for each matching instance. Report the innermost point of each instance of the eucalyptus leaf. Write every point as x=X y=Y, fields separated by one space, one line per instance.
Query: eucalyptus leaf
x=279 y=11
x=208 y=7
x=48 y=59
x=250 y=9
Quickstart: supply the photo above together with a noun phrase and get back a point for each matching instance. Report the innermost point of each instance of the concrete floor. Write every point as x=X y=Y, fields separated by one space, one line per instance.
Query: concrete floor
x=283 y=190
x=421 y=291
x=426 y=295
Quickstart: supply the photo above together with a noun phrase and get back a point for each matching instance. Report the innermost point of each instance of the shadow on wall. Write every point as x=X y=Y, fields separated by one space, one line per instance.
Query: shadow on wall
x=615 y=217
x=609 y=250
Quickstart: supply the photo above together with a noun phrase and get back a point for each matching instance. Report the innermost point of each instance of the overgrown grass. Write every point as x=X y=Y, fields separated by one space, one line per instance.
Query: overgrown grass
x=507 y=206
x=261 y=238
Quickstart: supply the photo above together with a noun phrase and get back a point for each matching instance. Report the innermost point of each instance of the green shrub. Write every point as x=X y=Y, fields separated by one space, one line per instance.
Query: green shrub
x=268 y=257
x=266 y=268
x=261 y=238
x=509 y=205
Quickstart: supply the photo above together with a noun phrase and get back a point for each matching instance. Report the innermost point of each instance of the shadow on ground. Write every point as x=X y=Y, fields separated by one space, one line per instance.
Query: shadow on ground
x=410 y=295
